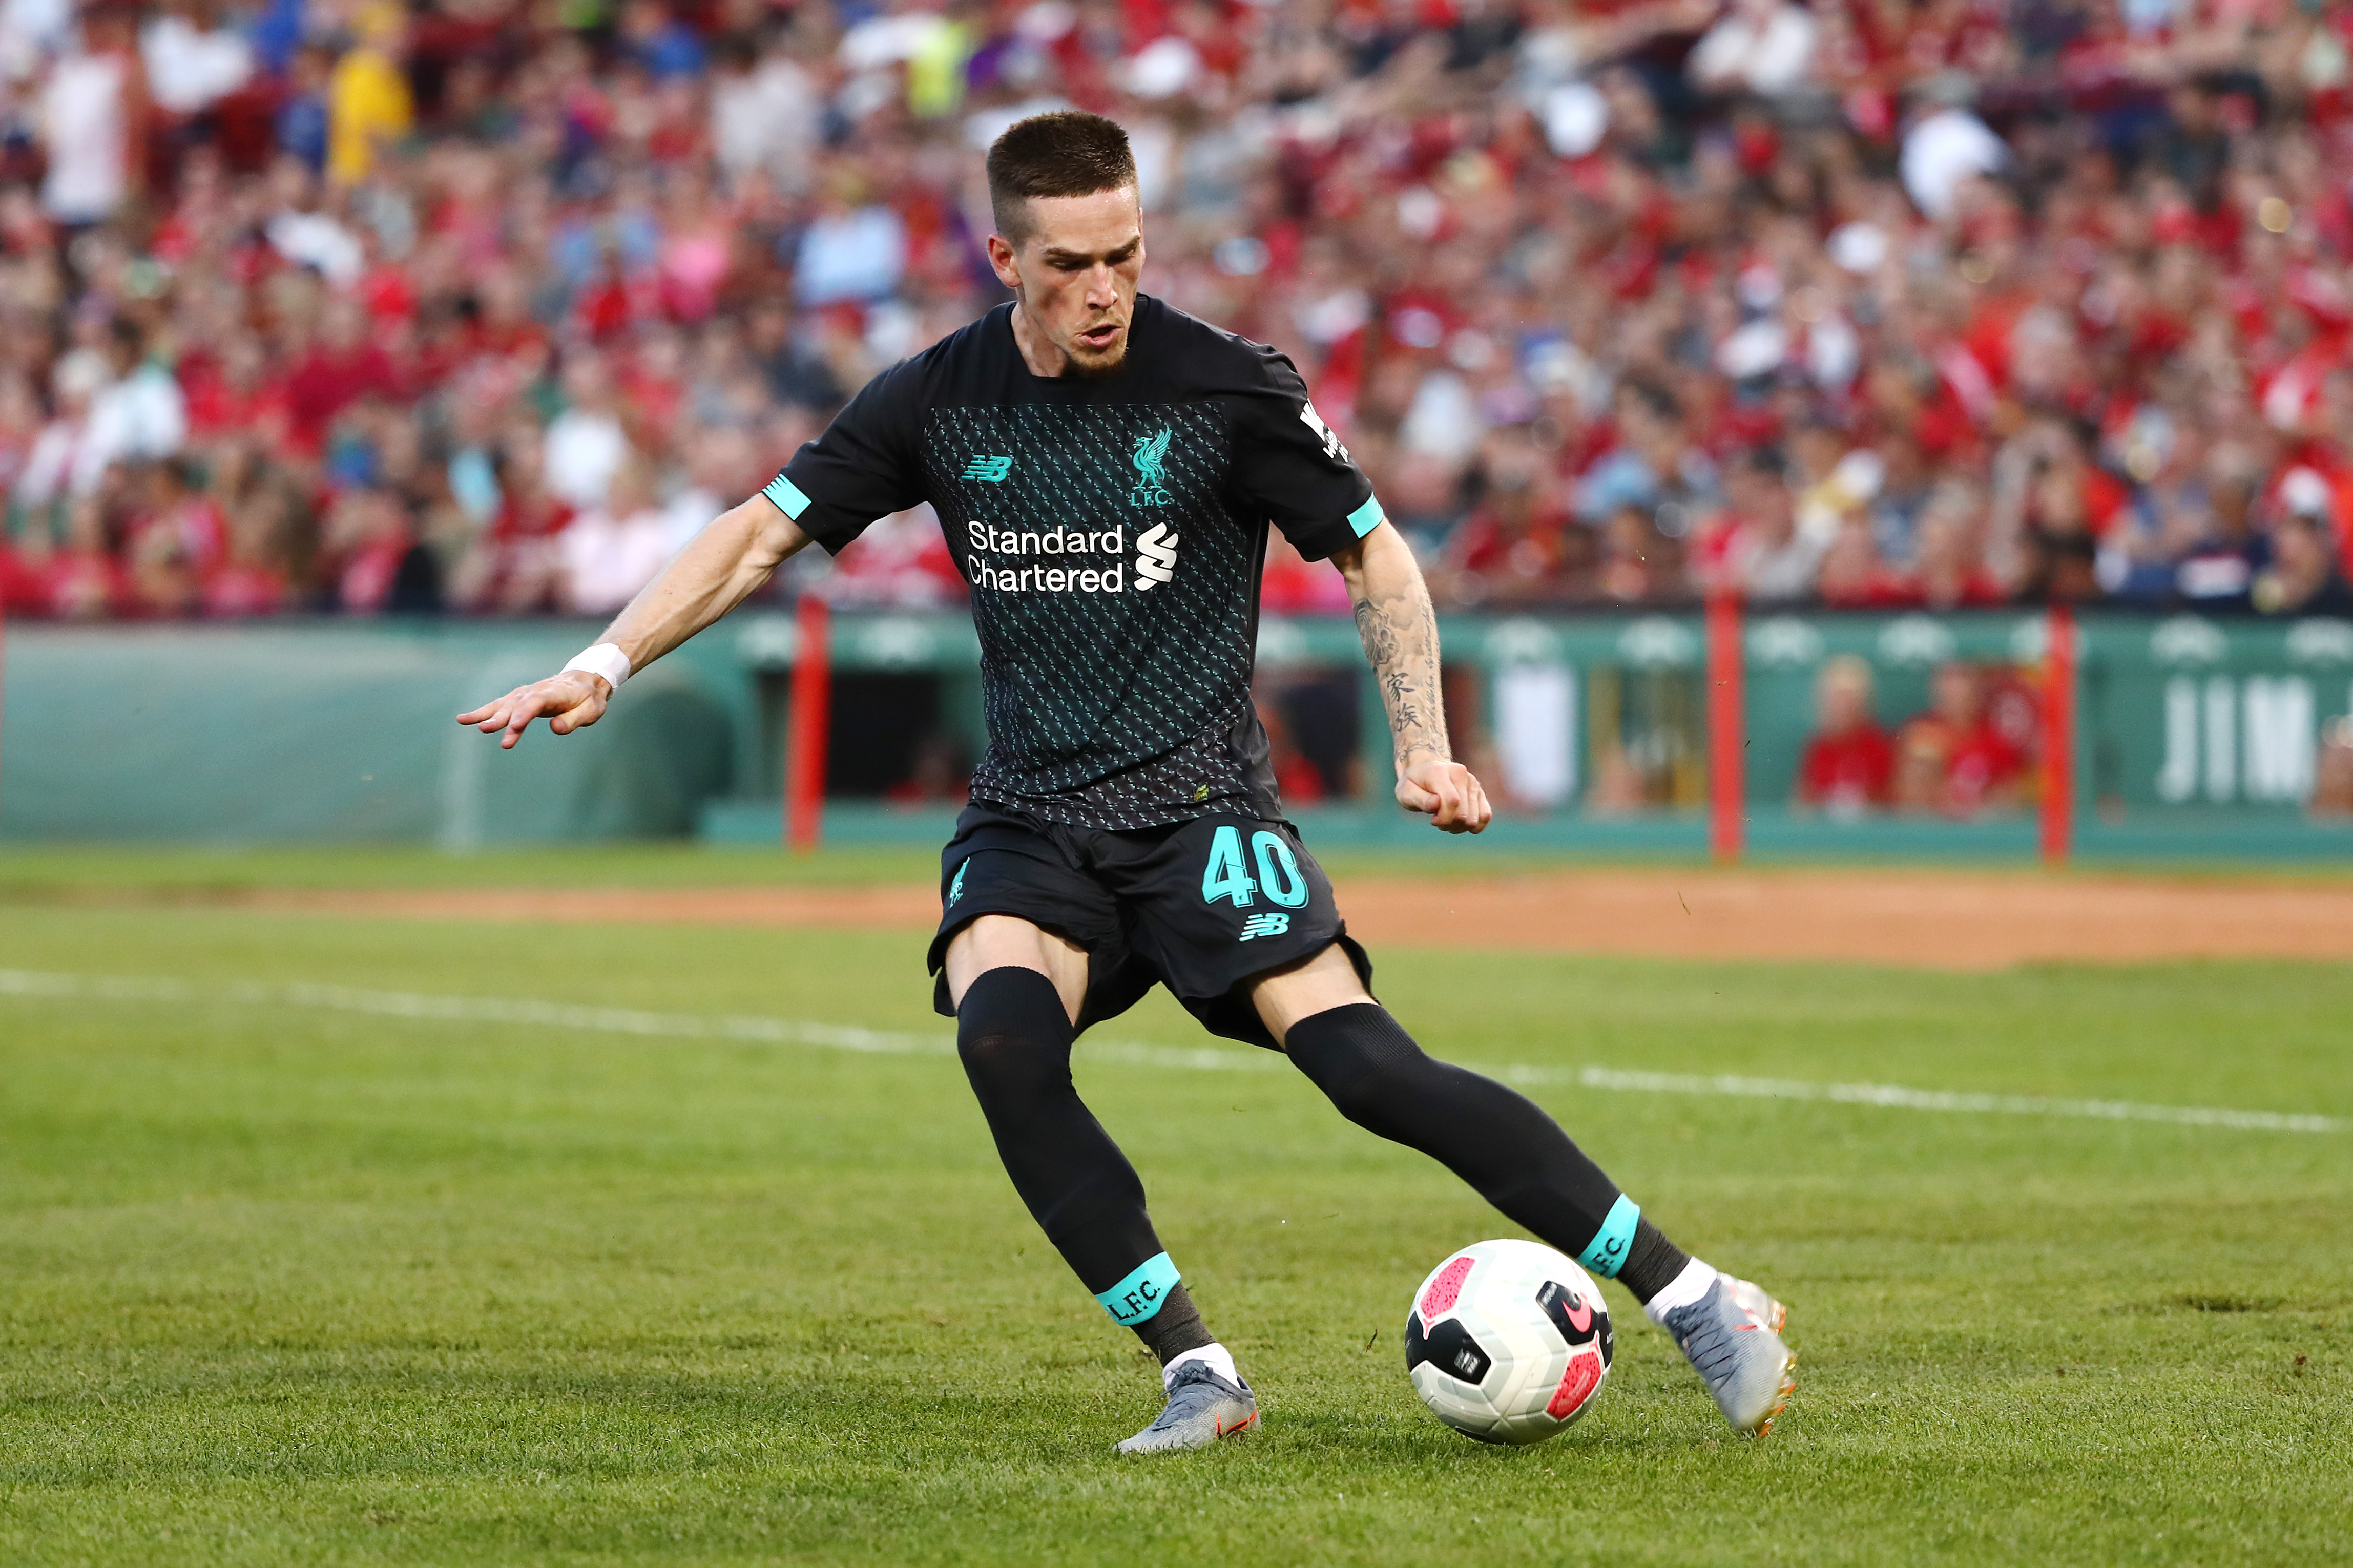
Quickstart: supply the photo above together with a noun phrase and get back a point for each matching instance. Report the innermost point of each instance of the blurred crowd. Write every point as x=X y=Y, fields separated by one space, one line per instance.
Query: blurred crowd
x=1975 y=748
x=488 y=307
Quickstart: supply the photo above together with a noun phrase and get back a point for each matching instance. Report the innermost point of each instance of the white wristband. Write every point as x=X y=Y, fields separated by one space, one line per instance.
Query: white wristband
x=604 y=659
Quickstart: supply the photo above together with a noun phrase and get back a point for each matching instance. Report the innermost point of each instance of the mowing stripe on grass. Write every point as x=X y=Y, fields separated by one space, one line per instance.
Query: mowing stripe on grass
x=1203 y=1059
x=1888 y=1094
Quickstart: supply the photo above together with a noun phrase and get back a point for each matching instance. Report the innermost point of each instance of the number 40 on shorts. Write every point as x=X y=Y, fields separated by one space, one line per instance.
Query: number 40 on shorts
x=1227 y=876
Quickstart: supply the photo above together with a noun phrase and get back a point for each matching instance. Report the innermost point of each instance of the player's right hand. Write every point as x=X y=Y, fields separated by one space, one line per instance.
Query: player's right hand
x=1446 y=793
x=567 y=701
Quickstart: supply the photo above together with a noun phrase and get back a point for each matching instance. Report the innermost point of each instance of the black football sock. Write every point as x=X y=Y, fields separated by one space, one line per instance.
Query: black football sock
x=1176 y=1328
x=1015 y=1041
x=1651 y=1262
x=1498 y=1141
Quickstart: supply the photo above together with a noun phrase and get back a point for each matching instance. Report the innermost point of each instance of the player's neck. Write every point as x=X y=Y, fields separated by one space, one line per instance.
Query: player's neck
x=1039 y=352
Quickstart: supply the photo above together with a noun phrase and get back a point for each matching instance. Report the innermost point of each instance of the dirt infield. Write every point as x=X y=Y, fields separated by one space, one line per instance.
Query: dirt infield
x=1957 y=921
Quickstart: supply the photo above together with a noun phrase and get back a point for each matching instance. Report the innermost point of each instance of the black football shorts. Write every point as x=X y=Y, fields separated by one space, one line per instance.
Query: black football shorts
x=1199 y=906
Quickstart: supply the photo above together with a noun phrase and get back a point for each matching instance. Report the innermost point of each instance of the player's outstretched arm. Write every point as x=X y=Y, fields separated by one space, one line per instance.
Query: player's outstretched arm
x=718 y=570
x=1399 y=631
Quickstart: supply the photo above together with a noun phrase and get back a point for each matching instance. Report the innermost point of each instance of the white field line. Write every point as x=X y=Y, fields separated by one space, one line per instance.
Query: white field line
x=1203 y=1059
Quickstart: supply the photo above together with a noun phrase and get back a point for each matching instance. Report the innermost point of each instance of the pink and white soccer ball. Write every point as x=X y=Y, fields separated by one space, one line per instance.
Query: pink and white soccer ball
x=1508 y=1341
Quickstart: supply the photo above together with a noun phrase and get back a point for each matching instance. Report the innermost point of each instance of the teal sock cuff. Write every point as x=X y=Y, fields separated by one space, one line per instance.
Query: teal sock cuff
x=1137 y=1299
x=1606 y=1253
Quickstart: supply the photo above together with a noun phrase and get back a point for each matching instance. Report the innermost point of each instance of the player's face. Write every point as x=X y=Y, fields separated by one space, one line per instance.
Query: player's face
x=1076 y=273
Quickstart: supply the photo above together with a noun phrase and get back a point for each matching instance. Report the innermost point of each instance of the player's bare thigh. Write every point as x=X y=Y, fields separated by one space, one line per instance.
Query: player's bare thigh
x=1003 y=941
x=1315 y=985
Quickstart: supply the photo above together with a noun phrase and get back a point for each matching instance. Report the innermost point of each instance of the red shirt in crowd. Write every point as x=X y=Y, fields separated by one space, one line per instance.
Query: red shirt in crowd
x=1291 y=585
x=1977 y=762
x=2105 y=499
x=236 y=589
x=1296 y=778
x=326 y=383
x=366 y=579
x=217 y=407
x=193 y=532
x=82 y=584
x=1517 y=554
x=1981 y=765
x=387 y=294
x=20 y=585
x=1848 y=773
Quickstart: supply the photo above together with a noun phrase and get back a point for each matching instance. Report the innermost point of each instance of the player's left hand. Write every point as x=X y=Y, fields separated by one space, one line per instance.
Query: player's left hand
x=1446 y=794
x=571 y=700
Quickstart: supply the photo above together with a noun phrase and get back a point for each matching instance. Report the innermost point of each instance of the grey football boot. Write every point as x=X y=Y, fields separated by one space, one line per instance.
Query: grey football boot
x=1732 y=1337
x=1202 y=1408
x=1753 y=1300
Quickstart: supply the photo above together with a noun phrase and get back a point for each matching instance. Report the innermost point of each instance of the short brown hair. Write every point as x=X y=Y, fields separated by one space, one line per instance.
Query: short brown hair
x=1069 y=152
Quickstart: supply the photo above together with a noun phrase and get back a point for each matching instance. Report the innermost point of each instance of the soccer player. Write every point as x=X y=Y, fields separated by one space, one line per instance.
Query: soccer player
x=1106 y=468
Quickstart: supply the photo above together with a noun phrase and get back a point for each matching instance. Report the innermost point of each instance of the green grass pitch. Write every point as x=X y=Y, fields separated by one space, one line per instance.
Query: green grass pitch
x=287 y=1285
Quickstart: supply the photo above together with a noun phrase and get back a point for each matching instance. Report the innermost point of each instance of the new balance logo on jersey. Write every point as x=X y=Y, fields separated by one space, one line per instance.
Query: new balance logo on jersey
x=1151 y=478
x=1156 y=556
x=1270 y=924
x=992 y=470
x=1315 y=421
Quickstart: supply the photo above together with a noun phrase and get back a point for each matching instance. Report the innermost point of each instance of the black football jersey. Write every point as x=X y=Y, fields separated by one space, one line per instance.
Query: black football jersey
x=1113 y=530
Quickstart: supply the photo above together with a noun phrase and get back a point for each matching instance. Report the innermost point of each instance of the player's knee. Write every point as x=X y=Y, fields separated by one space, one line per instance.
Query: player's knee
x=1004 y=1066
x=1012 y=1035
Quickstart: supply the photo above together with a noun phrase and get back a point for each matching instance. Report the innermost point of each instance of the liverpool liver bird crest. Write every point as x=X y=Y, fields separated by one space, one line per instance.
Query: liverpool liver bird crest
x=1151 y=478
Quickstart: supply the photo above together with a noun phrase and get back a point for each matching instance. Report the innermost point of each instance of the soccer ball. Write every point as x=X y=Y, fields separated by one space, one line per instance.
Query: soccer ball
x=1508 y=1341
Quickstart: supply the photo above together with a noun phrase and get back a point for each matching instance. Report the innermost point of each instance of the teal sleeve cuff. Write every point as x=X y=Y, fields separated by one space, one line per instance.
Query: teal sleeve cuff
x=1137 y=1297
x=787 y=496
x=1606 y=1253
x=1368 y=517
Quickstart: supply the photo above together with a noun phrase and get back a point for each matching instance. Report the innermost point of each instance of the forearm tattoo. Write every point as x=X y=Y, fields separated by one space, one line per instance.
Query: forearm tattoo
x=1399 y=631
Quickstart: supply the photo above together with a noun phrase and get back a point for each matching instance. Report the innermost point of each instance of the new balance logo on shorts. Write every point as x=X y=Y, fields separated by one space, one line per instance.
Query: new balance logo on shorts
x=1268 y=924
x=992 y=470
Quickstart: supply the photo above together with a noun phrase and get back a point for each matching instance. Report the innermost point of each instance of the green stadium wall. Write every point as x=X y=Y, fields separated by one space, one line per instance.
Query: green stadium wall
x=2196 y=737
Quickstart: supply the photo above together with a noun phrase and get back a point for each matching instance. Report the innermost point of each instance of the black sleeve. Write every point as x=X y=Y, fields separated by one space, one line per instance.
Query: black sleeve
x=1291 y=469
x=863 y=467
